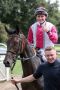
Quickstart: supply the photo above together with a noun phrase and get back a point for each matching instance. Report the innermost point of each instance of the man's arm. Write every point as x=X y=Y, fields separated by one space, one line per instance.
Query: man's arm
x=29 y=78
x=53 y=35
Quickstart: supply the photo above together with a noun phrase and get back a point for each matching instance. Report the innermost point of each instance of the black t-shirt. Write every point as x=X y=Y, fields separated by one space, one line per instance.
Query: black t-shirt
x=51 y=74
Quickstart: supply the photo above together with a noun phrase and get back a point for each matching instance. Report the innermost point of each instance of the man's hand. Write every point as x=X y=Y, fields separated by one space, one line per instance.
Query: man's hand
x=45 y=28
x=14 y=81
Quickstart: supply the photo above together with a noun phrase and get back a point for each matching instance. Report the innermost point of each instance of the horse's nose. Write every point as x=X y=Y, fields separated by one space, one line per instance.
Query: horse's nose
x=6 y=63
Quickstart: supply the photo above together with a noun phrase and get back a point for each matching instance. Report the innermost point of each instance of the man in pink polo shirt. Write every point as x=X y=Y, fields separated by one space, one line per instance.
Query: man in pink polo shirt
x=42 y=34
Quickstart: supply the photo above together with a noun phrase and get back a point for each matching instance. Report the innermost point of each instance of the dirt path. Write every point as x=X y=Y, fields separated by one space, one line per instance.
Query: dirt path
x=6 y=85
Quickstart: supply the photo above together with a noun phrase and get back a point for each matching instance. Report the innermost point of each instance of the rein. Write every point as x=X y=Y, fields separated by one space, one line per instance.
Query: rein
x=18 y=51
x=15 y=84
x=12 y=69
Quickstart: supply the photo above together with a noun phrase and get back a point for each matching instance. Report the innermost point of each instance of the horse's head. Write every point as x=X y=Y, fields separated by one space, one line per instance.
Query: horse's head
x=15 y=46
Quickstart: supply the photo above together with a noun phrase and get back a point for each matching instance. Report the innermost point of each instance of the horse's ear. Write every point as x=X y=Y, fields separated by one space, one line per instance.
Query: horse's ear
x=13 y=31
x=6 y=29
x=17 y=29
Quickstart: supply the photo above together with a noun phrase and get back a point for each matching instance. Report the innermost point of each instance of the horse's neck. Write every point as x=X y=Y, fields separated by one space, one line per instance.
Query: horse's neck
x=29 y=50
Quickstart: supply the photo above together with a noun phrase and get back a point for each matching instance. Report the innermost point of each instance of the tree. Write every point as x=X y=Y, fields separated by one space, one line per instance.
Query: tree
x=3 y=34
x=17 y=12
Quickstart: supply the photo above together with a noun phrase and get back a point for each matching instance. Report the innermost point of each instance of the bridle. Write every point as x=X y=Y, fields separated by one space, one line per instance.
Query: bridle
x=20 y=49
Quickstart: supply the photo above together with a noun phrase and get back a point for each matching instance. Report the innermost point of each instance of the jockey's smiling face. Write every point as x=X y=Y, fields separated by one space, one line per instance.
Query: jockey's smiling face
x=51 y=56
x=40 y=18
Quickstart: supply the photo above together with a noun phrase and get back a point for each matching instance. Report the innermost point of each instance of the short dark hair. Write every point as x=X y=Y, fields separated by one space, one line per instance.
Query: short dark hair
x=50 y=48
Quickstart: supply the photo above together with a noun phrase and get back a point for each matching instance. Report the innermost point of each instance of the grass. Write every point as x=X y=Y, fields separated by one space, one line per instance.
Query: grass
x=57 y=48
x=17 y=68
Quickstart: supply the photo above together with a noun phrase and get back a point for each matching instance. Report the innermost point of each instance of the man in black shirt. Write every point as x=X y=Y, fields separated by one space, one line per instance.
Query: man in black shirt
x=50 y=71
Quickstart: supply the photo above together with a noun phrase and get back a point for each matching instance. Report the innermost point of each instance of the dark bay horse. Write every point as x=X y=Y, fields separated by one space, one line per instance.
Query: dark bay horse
x=17 y=44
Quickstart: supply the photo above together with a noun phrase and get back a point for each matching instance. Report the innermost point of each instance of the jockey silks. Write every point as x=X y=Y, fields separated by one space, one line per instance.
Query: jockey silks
x=41 y=39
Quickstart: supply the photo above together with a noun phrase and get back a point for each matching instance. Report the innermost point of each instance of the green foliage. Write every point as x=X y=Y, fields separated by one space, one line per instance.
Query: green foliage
x=17 y=12
x=3 y=34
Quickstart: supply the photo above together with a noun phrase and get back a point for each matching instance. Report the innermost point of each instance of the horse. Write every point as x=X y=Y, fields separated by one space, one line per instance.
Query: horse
x=17 y=45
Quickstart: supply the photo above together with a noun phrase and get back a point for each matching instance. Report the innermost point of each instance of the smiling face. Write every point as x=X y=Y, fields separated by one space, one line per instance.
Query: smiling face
x=41 y=18
x=50 y=54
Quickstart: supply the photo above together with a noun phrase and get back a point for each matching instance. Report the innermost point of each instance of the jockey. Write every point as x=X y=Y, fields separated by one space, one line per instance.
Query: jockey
x=42 y=34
